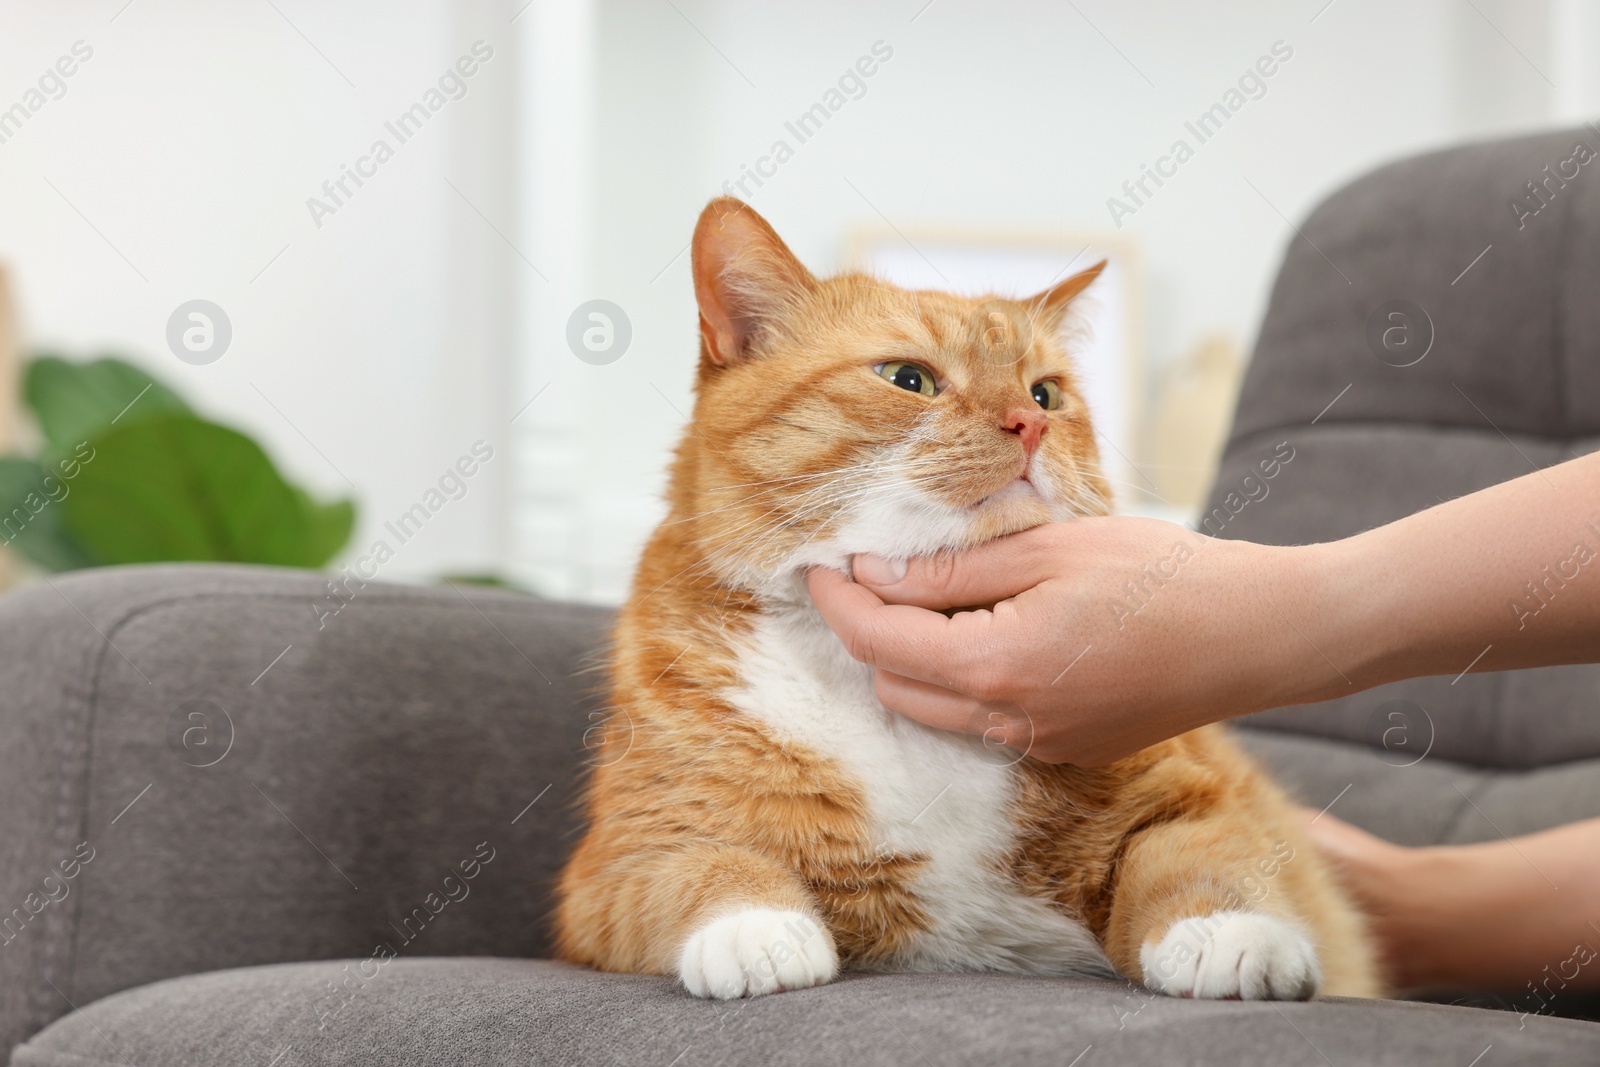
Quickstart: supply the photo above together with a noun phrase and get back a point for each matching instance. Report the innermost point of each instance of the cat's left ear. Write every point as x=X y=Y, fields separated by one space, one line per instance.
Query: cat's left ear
x=1050 y=305
x=745 y=278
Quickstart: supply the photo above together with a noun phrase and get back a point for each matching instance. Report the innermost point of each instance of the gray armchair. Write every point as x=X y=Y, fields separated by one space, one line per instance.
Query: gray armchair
x=234 y=835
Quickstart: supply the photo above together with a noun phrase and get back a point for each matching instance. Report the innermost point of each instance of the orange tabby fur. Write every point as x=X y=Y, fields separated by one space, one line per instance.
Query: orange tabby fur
x=699 y=808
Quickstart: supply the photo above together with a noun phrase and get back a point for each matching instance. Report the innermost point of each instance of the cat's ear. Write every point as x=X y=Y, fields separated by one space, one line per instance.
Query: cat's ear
x=744 y=278
x=1050 y=305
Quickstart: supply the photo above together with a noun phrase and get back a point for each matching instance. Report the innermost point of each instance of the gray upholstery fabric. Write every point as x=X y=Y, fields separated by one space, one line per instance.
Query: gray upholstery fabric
x=1512 y=382
x=1429 y=802
x=493 y=1012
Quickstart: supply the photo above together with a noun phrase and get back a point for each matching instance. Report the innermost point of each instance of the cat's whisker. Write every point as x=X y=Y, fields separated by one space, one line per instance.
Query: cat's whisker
x=783 y=483
x=832 y=505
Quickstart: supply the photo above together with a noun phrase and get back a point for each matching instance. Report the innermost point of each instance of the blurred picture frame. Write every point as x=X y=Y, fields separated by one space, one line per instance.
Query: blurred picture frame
x=1012 y=263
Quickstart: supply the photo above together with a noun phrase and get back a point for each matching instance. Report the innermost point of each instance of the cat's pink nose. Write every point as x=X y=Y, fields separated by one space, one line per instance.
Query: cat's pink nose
x=1028 y=424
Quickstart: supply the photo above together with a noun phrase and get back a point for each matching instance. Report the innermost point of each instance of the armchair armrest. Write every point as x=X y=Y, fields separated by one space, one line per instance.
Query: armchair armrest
x=201 y=767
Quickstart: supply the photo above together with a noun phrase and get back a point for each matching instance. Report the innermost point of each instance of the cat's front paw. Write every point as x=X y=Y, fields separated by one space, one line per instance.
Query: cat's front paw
x=757 y=951
x=1232 y=955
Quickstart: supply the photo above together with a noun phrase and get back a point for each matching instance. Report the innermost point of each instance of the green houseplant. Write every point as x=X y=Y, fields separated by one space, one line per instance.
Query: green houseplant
x=127 y=472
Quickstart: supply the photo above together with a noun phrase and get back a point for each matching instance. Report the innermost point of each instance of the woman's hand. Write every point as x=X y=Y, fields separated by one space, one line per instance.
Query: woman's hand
x=1083 y=641
x=1090 y=639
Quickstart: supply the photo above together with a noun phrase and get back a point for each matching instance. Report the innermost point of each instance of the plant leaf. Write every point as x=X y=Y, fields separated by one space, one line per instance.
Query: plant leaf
x=76 y=402
x=31 y=518
x=329 y=524
x=492 y=581
x=176 y=487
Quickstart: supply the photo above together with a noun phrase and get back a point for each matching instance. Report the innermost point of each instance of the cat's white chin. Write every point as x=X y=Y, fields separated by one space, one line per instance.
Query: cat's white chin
x=1017 y=506
x=1014 y=490
x=901 y=522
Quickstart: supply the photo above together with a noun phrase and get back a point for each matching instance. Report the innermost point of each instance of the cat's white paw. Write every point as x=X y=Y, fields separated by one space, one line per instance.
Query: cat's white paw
x=757 y=951
x=1232 y=955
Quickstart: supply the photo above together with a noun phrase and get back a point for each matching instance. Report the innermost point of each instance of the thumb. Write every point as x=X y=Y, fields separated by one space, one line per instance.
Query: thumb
x=977 y=577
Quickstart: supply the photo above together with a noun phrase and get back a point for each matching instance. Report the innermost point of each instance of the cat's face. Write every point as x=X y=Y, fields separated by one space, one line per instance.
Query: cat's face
x=848 y=415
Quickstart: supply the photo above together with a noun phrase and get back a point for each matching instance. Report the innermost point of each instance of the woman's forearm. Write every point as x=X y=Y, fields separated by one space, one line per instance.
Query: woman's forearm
x=1533 y=904
x=1520 y=916
x=1500 y=579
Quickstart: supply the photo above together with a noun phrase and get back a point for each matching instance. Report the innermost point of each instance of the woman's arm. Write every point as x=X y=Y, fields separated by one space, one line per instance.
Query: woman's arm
x=1521 y=916
x=1510 y=573
x=1091 y=639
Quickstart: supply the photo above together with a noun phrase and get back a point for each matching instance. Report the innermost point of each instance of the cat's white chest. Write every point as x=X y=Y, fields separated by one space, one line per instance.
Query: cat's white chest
x=931 y=793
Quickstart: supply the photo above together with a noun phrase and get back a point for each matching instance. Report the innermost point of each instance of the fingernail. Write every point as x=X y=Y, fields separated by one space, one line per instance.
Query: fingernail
x=875 y=570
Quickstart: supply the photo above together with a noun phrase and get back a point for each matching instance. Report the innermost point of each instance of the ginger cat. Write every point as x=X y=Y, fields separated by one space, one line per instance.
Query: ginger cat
x=758 y=820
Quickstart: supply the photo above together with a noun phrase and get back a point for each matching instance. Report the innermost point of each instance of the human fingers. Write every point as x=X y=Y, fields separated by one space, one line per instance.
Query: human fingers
x=1001 y=724
x=994 y=571
x=909 y=641
x=932 y=705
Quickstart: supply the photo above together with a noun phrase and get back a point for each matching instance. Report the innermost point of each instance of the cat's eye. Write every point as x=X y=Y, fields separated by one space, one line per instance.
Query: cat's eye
x=1048 y=394
x=912 y=377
